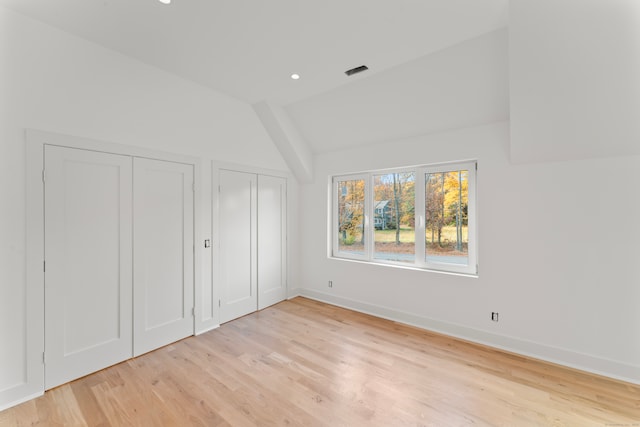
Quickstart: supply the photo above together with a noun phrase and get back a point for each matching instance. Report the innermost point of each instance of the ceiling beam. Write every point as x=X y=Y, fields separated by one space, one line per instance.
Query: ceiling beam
x=286 y=137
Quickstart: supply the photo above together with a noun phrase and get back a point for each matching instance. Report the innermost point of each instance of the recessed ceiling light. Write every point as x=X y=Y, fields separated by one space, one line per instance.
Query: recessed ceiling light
x=295 y=76
x=165 y=1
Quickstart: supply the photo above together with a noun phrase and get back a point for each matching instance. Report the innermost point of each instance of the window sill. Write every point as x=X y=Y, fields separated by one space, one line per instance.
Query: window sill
x=404 y=267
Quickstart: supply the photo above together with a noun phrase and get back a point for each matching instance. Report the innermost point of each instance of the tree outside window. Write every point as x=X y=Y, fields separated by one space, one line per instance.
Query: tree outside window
x=375 y=217
x=351 y=215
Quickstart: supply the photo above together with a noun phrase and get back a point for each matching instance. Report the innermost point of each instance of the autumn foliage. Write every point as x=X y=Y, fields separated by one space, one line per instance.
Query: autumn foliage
x=445 y=210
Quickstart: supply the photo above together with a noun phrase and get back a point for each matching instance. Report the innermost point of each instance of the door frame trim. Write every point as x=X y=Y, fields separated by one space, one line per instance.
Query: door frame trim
x=33 y=385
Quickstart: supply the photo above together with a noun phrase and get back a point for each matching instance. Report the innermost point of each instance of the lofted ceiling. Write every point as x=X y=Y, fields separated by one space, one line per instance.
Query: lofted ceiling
x=249 y=48
x=461 y=86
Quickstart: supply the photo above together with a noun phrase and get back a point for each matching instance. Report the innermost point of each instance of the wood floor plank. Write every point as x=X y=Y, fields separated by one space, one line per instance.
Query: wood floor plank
x=305 y=363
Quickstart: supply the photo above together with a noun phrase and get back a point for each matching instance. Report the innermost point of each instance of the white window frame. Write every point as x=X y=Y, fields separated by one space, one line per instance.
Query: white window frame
x=371 y=232
x=334 y=235
x=471 y=268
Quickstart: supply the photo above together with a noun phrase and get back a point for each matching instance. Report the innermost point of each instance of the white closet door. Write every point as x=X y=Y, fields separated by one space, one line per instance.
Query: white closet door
x=163 y=253
x=272 y=240
x=88 y=274
x=237 y=230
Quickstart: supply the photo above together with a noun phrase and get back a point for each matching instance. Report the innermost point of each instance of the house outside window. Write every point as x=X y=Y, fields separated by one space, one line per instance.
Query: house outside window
x=382 y=216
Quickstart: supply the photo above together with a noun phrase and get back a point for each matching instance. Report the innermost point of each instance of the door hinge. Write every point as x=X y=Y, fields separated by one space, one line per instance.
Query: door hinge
x=193 y=311
x=44 y=358
x=193 y=187
x=44 y=266
x=219 y=303
x=43 y=175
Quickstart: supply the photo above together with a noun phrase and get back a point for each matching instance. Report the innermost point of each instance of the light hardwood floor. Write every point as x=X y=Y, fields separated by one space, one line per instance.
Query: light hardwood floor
x=304 y=363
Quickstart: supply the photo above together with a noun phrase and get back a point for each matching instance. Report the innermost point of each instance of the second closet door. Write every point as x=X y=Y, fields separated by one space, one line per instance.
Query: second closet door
x=162 y=253
x=253 y=242
x=238 y=252
x=272 y=240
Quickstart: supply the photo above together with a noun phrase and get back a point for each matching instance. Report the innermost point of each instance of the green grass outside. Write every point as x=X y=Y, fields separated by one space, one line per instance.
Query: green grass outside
x=408 y=235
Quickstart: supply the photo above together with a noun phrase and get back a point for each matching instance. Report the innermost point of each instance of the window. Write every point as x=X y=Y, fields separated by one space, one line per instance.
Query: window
x=394 y=234
x=350 y=216
x=421 y=217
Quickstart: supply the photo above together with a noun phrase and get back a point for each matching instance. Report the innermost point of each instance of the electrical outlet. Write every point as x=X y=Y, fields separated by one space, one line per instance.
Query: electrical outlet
x=330 y=283
x=494 y=316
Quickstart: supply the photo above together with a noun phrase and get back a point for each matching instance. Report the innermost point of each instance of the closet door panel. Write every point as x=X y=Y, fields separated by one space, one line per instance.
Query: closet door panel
x=237 y=240
x=163 y=253
x=272 y=240
x=88 y=284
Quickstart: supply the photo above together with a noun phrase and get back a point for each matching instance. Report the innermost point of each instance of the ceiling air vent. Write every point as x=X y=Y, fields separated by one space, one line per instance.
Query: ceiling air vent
x=356 y=70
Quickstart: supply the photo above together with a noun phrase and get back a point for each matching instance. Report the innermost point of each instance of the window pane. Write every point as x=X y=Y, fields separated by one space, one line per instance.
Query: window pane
x=447 y=222
x=351 y=216
x=394 y=217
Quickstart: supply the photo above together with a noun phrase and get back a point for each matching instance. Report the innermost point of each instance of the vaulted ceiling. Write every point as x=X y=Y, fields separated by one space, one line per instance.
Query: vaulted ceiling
x=248 y=49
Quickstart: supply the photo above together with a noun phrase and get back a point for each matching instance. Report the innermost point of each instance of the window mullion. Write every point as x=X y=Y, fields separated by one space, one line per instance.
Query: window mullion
x=472 y=219
x=334 y=217
x=420 y=217
x=369 y=223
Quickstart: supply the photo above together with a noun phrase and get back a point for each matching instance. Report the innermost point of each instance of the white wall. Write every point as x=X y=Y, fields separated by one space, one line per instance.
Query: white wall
x=53 y=81
x=557 y=253
x=574 y=78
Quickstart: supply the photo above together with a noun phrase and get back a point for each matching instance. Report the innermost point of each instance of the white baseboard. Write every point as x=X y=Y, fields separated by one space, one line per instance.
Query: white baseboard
x=19 y=401
x=584 y=362
x=296 y=292
x=210 y=328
